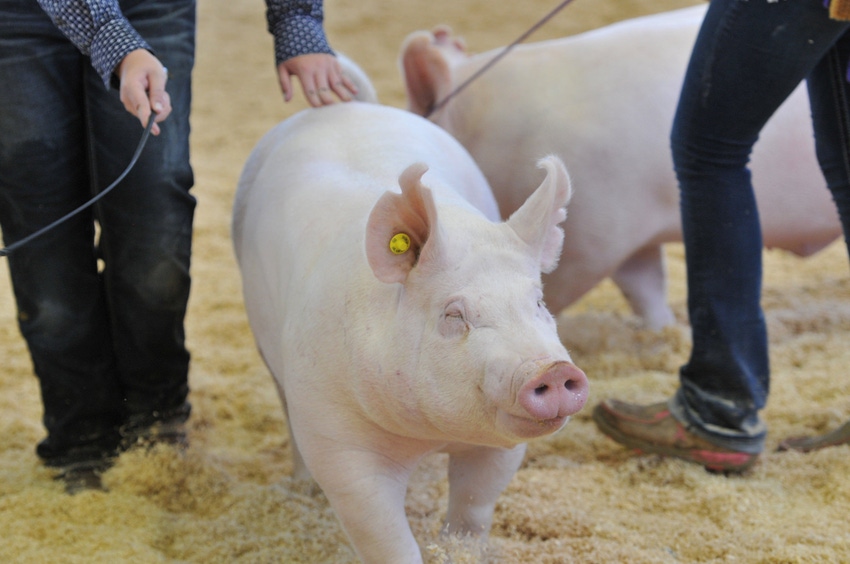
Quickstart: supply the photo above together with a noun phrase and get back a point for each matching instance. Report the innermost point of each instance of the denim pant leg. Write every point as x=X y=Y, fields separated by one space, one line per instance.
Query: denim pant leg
x=146 y=222
x=749 y=56
x=829 y=95
x=43 y=176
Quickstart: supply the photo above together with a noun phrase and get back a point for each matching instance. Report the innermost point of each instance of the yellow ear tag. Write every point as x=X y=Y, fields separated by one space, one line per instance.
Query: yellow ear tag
x=400 y=243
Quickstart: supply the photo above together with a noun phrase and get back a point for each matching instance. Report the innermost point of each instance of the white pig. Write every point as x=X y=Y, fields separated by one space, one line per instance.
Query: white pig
x=383 y=356
x=604 y=102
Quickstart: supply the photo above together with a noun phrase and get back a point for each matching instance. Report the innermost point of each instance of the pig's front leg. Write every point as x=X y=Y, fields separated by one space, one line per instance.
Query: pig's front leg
x=477 y=476
x=643 y=280
x=300 y=472
x=366 y=490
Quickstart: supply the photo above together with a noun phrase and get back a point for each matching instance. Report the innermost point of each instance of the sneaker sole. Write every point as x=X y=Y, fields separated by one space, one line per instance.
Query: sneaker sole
x=711 y=460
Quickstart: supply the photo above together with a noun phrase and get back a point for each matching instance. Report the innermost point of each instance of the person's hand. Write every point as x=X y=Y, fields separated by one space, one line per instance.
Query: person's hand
x=321 y=77
x=142 y=88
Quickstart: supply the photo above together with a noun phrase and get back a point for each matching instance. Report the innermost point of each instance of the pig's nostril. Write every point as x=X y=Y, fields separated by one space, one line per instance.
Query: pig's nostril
x=557 y=391
x=570 y=385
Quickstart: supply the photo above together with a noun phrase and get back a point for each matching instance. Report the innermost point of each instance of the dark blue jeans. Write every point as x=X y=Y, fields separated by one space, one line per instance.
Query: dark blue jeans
x=101 y=310
x=748 y=58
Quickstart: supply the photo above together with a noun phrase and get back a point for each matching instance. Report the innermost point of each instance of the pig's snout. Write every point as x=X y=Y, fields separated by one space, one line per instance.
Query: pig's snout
x=558 y=391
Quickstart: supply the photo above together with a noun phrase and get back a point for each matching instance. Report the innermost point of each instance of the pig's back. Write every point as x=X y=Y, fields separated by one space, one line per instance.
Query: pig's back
x=350 y=154
x=599 y=100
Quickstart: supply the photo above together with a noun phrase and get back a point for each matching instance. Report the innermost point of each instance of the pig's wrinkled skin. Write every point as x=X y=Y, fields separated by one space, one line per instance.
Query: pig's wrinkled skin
x=382 y=358
x=604 y=102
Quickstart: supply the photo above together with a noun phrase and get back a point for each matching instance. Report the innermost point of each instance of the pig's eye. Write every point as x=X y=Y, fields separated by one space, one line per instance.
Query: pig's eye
x=454 y=322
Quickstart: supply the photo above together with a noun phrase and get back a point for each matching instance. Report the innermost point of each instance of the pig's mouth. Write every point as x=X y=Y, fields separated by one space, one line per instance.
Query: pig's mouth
x=529 y=428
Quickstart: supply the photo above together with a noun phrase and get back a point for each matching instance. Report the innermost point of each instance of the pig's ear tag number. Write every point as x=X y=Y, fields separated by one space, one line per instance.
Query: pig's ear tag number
x=400 y=243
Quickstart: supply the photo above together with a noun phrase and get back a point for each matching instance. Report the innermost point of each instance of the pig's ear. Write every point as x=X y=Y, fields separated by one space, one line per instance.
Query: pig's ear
x=444 y=36
x=399 y=227
x=538 y=221
x=426 y=71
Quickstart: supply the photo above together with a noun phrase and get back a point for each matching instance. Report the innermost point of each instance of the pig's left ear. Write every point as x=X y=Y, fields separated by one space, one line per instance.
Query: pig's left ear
x=538 y=221
x=426 y=72
x=399 y=226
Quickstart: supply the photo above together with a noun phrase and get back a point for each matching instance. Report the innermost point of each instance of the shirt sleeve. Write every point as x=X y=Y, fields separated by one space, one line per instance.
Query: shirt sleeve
x=297 y=27
x=98 y=29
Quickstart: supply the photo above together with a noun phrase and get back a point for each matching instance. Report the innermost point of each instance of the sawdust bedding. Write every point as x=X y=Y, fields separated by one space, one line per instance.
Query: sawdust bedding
x=578 y=497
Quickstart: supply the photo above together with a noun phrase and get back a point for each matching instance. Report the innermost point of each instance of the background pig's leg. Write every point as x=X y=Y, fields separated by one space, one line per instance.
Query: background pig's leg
x=476 y=478
x=643 y=280
x=575 y=276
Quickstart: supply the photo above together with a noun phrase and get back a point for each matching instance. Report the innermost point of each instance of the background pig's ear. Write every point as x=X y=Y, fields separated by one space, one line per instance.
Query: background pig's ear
x=537 y=221
x=425 y=71
x=399 y=226
x=443 y=35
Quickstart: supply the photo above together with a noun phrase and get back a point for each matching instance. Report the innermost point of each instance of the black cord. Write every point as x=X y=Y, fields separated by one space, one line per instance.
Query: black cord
x=8 y=250
x=496 y=59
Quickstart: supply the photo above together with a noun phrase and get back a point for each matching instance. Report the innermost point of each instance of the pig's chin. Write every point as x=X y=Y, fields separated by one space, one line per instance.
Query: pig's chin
x=527 y=427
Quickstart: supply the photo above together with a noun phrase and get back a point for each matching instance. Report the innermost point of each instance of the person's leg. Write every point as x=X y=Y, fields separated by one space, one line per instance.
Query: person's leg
x=749 y=56
x=829 y=94
x=146 y=224
x=43 y=176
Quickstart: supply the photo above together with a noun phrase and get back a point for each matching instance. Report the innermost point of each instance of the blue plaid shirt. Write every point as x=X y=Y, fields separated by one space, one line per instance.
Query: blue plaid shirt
x=100 y=31
x=297 y=28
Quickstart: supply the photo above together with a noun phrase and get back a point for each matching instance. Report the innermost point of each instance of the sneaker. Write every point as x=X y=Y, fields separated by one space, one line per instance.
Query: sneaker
x=146 y=429
x=83 y=475
x=840 y=436
x=653 y=429
x=80 y=466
